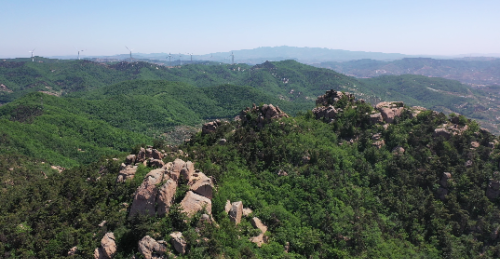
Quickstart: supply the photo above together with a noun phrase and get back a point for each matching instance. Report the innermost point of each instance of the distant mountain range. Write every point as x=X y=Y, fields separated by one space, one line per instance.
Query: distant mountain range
x=262 y=54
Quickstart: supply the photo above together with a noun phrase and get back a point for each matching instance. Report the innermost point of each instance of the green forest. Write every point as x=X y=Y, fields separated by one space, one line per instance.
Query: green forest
x=343 y=180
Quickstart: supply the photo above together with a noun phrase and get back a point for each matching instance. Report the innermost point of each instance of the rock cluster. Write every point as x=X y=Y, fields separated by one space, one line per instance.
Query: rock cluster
x=210 y=127
x=261 y=238
x=155 y=196
x=107 y=250
x=264 y=113
x=331 y=97
x=151 y=248
x=390 y=110
x=328 y=113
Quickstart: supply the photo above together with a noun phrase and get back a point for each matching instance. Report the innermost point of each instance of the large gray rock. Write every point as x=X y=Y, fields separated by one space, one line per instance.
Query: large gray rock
x=187 y=170
x=141 y=156
x=145 y=196
x=179 y=242
x=192 y=203
x=130 y=159
x=108 y=248
x=210 y=127
x=376 y=118
x=151 y=248
x=127 y=172
x=236 y=212
x=327 y=112
x=155 y=154
x=201 y=184
x=166 y=196
x=390 y=110
x=175 y=170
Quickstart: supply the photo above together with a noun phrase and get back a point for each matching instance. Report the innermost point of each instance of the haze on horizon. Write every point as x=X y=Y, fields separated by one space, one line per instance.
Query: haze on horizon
x=57 y=28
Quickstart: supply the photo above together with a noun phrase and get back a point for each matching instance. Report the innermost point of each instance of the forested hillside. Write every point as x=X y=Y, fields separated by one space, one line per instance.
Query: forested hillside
x=345 y=180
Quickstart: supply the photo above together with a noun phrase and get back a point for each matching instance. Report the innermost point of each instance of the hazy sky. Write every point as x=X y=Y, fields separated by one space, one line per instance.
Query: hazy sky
x=104 y=27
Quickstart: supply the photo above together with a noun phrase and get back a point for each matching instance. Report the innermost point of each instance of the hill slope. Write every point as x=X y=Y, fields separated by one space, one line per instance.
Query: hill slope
x=323 y=190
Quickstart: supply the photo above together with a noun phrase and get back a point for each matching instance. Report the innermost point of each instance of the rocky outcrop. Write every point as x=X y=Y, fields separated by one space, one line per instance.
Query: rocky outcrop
x=449 y=129
x=376 y=118
x=261 y=238
x=390 y=110
x=443 y=190
x=179 y=242
x=72 y=251
x=175 y=170
x=475 y=144
x=145 y=196
x=156 y=163
x=151 y=248
x=130 y=159
x=236 y=212
x=415 y=110
x=210 y=127
x=398 y=150
x=187 y=170
x=379 y=144
x=247 y=212
x=192 y=203
x=127 y=172
x=442 y=132
x=201 y=184
x=228 y=206
x=107 y=249
x=264 y=114
x=141 y=156
x=444 y=179
x=328 y=113
x=166 y=196
x=331 y=97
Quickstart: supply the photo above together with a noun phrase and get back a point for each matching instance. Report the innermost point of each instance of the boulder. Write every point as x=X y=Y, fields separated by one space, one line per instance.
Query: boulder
x=468 y=163
x=379 y=144
x=155 y=154
x=398 y=150
x=390 y=110
x=192 y=203
x=442 y=132
x=130 y=159
x=376 y=136
x=259 y=240
x=148 y=247
x=272 y=112
x=166 y=196
x=107 y=248
x=222 y=141
x=415 y=110
x=205 y=218
x=149 y=153
x=328 y=113
x=331 y=97
x=72 y=251
x=376 y=118
x=227 y=208
x=126 y=172
x=444 y=179
x=176 y=169
x=247 y=212
x=145 y=196
x=257 y=223
x=187 y=170
x=236 y=212
x=201 y=184
x=179 y=242
x=156 y=163
x=210 y=127
x=475 y=144
x=141 y=156
x=493 y=189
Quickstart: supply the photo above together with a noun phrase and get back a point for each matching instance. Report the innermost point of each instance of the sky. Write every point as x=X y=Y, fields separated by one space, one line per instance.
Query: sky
x=105 y=27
